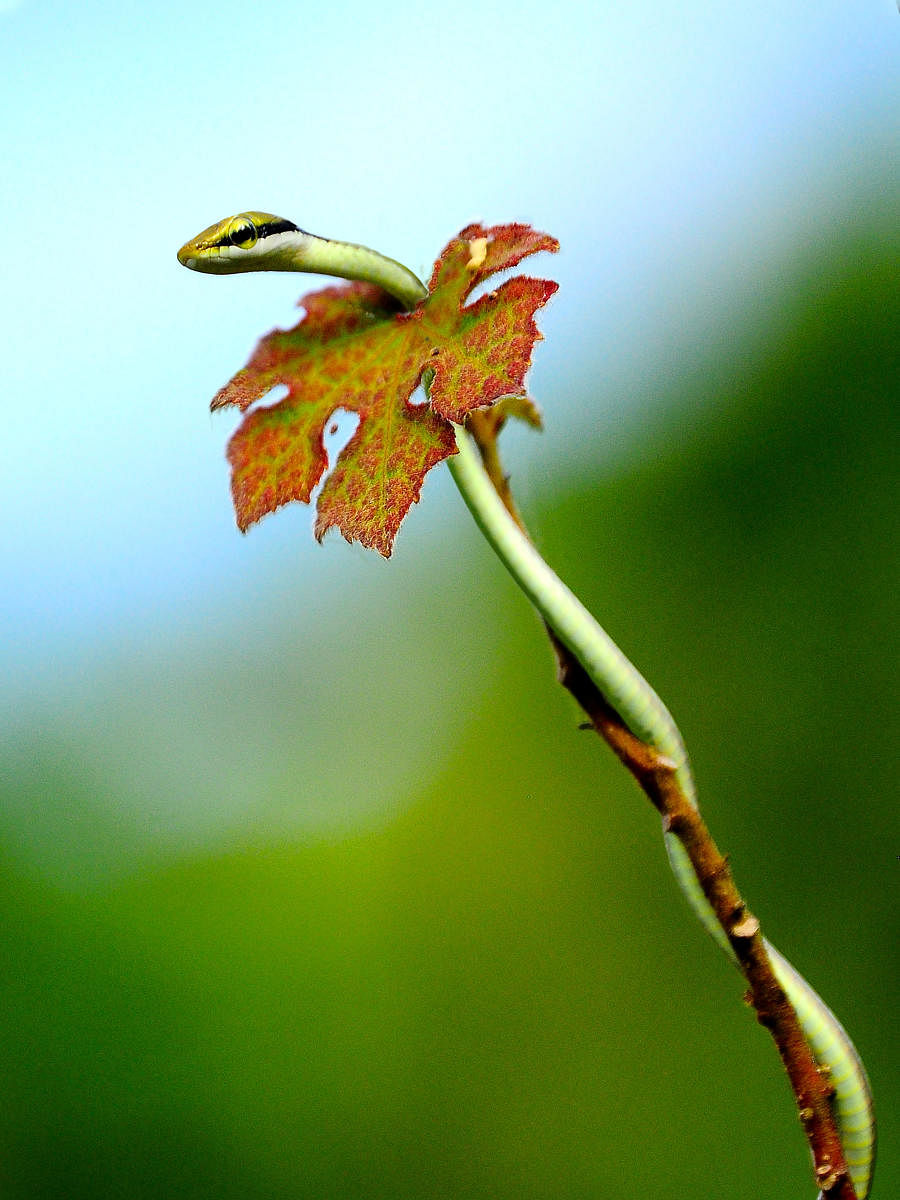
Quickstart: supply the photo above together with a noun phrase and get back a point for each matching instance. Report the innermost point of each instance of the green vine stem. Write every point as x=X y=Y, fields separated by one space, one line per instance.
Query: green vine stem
x=627 y=713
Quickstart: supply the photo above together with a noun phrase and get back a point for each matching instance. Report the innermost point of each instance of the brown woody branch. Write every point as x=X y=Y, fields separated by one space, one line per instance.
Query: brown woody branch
x=656 y=776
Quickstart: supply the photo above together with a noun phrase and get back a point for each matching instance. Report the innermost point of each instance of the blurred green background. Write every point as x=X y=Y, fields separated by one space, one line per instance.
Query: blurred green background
x=443 y=956
x=311 y=886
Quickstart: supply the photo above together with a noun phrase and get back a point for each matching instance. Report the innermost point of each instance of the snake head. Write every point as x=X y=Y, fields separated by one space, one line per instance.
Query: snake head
x=246 y=242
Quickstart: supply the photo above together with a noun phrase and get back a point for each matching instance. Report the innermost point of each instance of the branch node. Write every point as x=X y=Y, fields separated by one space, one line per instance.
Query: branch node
x=747 y=927
x=673 y=822
x=825 y=1076
x=826 y=1176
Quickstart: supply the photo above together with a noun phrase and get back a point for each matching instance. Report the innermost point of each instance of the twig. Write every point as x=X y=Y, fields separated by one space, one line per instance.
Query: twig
x=656 y=776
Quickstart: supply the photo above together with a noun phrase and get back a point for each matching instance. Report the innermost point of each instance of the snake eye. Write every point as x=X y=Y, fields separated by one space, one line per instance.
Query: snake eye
x=242 y=233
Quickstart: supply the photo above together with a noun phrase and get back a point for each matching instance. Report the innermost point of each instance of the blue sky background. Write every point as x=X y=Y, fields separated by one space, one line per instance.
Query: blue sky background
x=675 y=150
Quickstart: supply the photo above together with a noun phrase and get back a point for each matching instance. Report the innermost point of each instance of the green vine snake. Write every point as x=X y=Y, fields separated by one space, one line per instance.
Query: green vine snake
x=256 y=241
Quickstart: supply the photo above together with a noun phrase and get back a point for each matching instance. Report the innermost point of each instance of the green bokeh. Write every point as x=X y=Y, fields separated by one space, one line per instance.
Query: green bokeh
x=482 y=982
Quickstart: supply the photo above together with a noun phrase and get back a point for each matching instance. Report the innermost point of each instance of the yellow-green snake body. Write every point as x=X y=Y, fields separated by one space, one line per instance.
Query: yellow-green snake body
x=256 y=241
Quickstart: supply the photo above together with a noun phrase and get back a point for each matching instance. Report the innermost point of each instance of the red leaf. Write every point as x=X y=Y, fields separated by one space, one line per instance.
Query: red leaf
x=353 y=351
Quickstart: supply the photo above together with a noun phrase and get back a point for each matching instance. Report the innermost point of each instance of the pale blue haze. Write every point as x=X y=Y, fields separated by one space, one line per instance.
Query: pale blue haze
x=673 y=149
